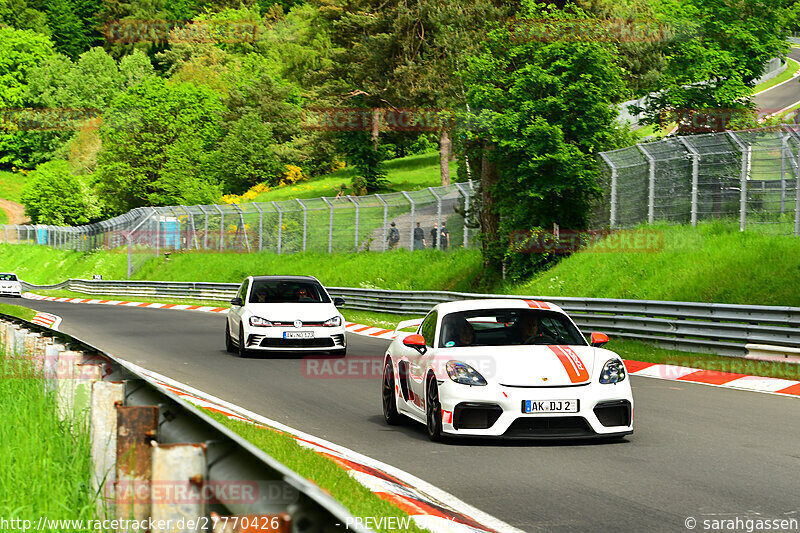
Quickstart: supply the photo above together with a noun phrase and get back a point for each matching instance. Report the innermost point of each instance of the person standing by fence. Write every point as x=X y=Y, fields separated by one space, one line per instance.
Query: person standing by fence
x=419 y=238
x=434 y=235
x=394 y=236
x=444 y=234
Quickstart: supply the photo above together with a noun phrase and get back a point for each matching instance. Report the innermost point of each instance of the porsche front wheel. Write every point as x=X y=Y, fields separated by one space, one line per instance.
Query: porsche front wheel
x=433 y=410
x=390 y=414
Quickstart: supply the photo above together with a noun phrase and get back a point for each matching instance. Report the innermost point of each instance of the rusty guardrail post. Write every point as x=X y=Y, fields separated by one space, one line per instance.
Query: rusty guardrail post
x=136 y=429
x=178 y=488
x=106 y=395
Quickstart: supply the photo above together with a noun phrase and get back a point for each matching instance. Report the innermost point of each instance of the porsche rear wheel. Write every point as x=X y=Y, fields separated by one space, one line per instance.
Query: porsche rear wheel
x=433 y=410
x=390 y=414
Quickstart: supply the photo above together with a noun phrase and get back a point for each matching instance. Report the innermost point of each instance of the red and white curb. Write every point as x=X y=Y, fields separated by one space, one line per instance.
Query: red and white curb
x=728 y=380
x=369 y=331
x=429 y=507
x=47 y=320
x=149 y=305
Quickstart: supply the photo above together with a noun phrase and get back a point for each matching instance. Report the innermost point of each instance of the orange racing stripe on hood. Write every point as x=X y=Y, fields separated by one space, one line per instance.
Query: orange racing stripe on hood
x=575 y=368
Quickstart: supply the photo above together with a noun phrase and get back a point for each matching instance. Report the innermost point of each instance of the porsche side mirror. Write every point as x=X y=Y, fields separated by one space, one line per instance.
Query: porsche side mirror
x=237 y=302
x=338 y=301
x=599 y=339
x=417 y=342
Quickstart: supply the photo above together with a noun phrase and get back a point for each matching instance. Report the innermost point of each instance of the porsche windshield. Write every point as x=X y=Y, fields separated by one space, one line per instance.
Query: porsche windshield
x=287 y=291
x=8 y=277
x=507 y=327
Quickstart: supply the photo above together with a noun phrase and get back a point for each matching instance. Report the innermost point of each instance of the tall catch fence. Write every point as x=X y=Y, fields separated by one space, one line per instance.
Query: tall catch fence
x=750 y=176
x=325 y=225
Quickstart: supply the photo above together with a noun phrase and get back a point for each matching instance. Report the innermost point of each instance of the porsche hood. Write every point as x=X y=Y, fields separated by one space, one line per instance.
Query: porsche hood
x=527 y=366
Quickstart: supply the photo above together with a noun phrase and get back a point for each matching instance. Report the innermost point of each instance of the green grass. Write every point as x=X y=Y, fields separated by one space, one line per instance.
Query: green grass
x=791 y=68
x=11 y=185
x=399 y=269
x=359 y=500
x=653 y=130
x=45 y=468
x=713 y=263
x=405 y=174
x=17 y=311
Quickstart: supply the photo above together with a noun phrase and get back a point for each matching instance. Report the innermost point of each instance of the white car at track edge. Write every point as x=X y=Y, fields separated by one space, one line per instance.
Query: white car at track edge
x=505 y=368
x=284 y=314
x=10 y=285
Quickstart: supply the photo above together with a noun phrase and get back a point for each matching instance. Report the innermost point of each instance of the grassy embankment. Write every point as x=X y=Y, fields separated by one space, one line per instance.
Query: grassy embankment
x=45 y=468
x=404 y=174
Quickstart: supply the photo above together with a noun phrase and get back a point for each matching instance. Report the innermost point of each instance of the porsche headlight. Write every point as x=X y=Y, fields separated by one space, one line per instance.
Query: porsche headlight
x=464 y=374
x=333 y=322
x=613 y=372
x=257 y=321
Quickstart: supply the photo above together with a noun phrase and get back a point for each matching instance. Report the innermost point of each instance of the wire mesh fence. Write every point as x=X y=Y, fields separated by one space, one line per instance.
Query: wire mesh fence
x=377 y=222
x=749 y=176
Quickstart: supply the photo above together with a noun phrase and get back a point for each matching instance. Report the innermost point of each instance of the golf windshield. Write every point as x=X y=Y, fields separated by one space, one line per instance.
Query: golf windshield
x=287 y=291
x=8 y=277
x=508 y=327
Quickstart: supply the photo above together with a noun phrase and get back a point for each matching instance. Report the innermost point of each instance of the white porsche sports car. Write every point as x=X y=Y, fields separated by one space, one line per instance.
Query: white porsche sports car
x=284 y=314
x=505 y=368
x=9 y=285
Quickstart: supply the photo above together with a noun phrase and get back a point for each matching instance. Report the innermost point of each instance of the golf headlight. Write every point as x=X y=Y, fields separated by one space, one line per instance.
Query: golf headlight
x=333 y=322
x=257 y=321
x=613 y=371
x=464 y=374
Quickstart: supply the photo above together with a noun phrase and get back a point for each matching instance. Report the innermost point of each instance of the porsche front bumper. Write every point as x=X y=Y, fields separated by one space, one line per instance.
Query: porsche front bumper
x=497 y=411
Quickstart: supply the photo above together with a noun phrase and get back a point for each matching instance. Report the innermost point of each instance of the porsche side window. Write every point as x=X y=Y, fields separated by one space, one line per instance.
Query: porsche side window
x=428 y=328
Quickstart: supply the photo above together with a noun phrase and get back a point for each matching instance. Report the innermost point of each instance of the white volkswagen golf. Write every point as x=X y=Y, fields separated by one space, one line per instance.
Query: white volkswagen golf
x=505 y=368
x=284 y=314
x=9 y=285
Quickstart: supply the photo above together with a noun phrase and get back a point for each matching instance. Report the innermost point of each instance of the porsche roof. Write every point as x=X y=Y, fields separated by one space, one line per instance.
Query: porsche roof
x=496 y=303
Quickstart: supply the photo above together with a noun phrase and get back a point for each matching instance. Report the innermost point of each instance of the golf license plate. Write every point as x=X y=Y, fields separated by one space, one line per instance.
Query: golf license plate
x=298 y=334
x=550 y=406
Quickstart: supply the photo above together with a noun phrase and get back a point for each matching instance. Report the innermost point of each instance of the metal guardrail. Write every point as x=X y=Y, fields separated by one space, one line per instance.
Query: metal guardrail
x=302 y=506
x=689 y=326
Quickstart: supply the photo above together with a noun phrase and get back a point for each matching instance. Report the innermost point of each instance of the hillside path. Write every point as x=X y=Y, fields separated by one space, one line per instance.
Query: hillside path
x=14 y=211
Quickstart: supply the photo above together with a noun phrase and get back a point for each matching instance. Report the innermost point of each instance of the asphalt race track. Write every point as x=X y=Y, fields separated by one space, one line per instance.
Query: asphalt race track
x=698 y=451
x=782 y=96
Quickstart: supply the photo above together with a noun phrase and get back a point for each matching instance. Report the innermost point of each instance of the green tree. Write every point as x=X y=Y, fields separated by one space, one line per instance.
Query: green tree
x=546 y=110
x=21 y=51
x=158 y=138
x=722 y=53
x=247 y=155
x=23 y=16
x=54 y=195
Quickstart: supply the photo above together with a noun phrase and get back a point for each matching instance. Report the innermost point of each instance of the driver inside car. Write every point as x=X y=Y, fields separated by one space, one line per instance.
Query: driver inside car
x=532 y=332
x=460 y=333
